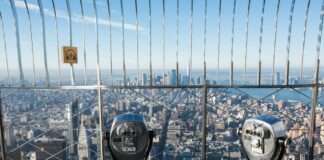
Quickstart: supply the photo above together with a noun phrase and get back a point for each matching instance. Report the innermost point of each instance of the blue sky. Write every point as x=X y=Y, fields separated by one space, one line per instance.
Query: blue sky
x=157 y=36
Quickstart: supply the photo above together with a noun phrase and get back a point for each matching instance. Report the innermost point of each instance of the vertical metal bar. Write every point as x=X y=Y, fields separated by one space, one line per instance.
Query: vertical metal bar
x=246 y=39
x=260 y=43
x=84 y=45
x=21 y=72
x=218 y=45
x=164 y=42
x=288 y=39
x=110 y=45
x=204 y=123
x=177 y=67
x=150 y=19
x=40 y=4
x=190 y=59
x=320 y=32
x=3 y=140
x=71 y=39
x=137 y=49
x=205 y=34
x=313 y=113
x=5 y=49
x=315 y=88
x=31 y=41
x=123 y=40
x=303 y=48
x=232 y=43
x=57 y=44
x=101 y=129
x=275 y=43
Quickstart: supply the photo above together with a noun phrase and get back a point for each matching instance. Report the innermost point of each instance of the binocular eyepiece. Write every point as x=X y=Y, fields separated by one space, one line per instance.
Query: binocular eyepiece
x=129 y=138
x=263 y=138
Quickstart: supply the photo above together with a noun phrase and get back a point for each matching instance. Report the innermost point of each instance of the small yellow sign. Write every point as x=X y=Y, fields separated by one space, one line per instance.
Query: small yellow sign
x=70 y=54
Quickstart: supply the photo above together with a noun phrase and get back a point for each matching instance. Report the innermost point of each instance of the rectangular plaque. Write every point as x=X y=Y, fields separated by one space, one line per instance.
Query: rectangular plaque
x=70 y=54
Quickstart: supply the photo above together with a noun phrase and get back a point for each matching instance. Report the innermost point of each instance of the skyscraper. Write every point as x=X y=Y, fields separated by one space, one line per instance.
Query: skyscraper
x=278 y=78
x=83 y=146
x=73 y=120
x=173 y=77
x=144 y=79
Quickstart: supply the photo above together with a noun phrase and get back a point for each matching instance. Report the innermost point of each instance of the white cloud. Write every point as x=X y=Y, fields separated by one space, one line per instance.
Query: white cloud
x=77 y=17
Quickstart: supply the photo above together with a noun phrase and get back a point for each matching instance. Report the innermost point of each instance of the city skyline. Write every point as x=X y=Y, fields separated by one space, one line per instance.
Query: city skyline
x=157 y=36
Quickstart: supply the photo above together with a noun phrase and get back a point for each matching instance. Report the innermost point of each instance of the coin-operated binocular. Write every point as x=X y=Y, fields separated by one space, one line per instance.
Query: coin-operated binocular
x=129 y=138
x=263 y=138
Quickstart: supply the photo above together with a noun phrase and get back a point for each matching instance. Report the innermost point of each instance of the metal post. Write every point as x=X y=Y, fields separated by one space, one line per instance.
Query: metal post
x=292 y=8
x=123 y=40
x=191 y=26
x=275 y=43
x=260 y=42
x=71 y=39
x=204 y=123
x=137 y=49
x=163 y=21
x=5 y=49
x=31 y=41
x=218 y=44
x=40 y=4
x=205 y=34
x=232 y=42
x=110 y=45
x=303 y=48
x=315 y=88
x=3 y=140
x=21 y=72
x=101 y=129
x=177 y=66
x=313 y=113
x=246 y=39
x=57 y=44
x=84 y=45
x=150 y=19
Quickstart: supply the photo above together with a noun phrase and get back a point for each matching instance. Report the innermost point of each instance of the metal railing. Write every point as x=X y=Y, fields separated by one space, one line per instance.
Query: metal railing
x=8 y=82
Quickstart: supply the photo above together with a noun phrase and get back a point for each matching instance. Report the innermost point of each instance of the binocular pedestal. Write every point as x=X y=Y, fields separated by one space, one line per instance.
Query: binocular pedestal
x=263 y=138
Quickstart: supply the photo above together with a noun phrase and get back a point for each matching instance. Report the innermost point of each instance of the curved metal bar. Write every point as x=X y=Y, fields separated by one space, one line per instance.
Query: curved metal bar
x=21 y=72
x=44 y=41
x=275 y=43
x=304 y=37
x=292 y=7
x=246 y=39
x=218 y=44
x=260 y=42
x=110 y=45
x=57 y=44
x=232 y=42
x=190 y=59
x=84 y=45
x=137 y=49
x=177 y=54
x=316 y=85
x=99 y=82
x=5 y=49
x=150 y=19
x=320 y=32
x=205 y=34
x=31 y=41
x=71 y=39
x=123 y=40
x=163 y=42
